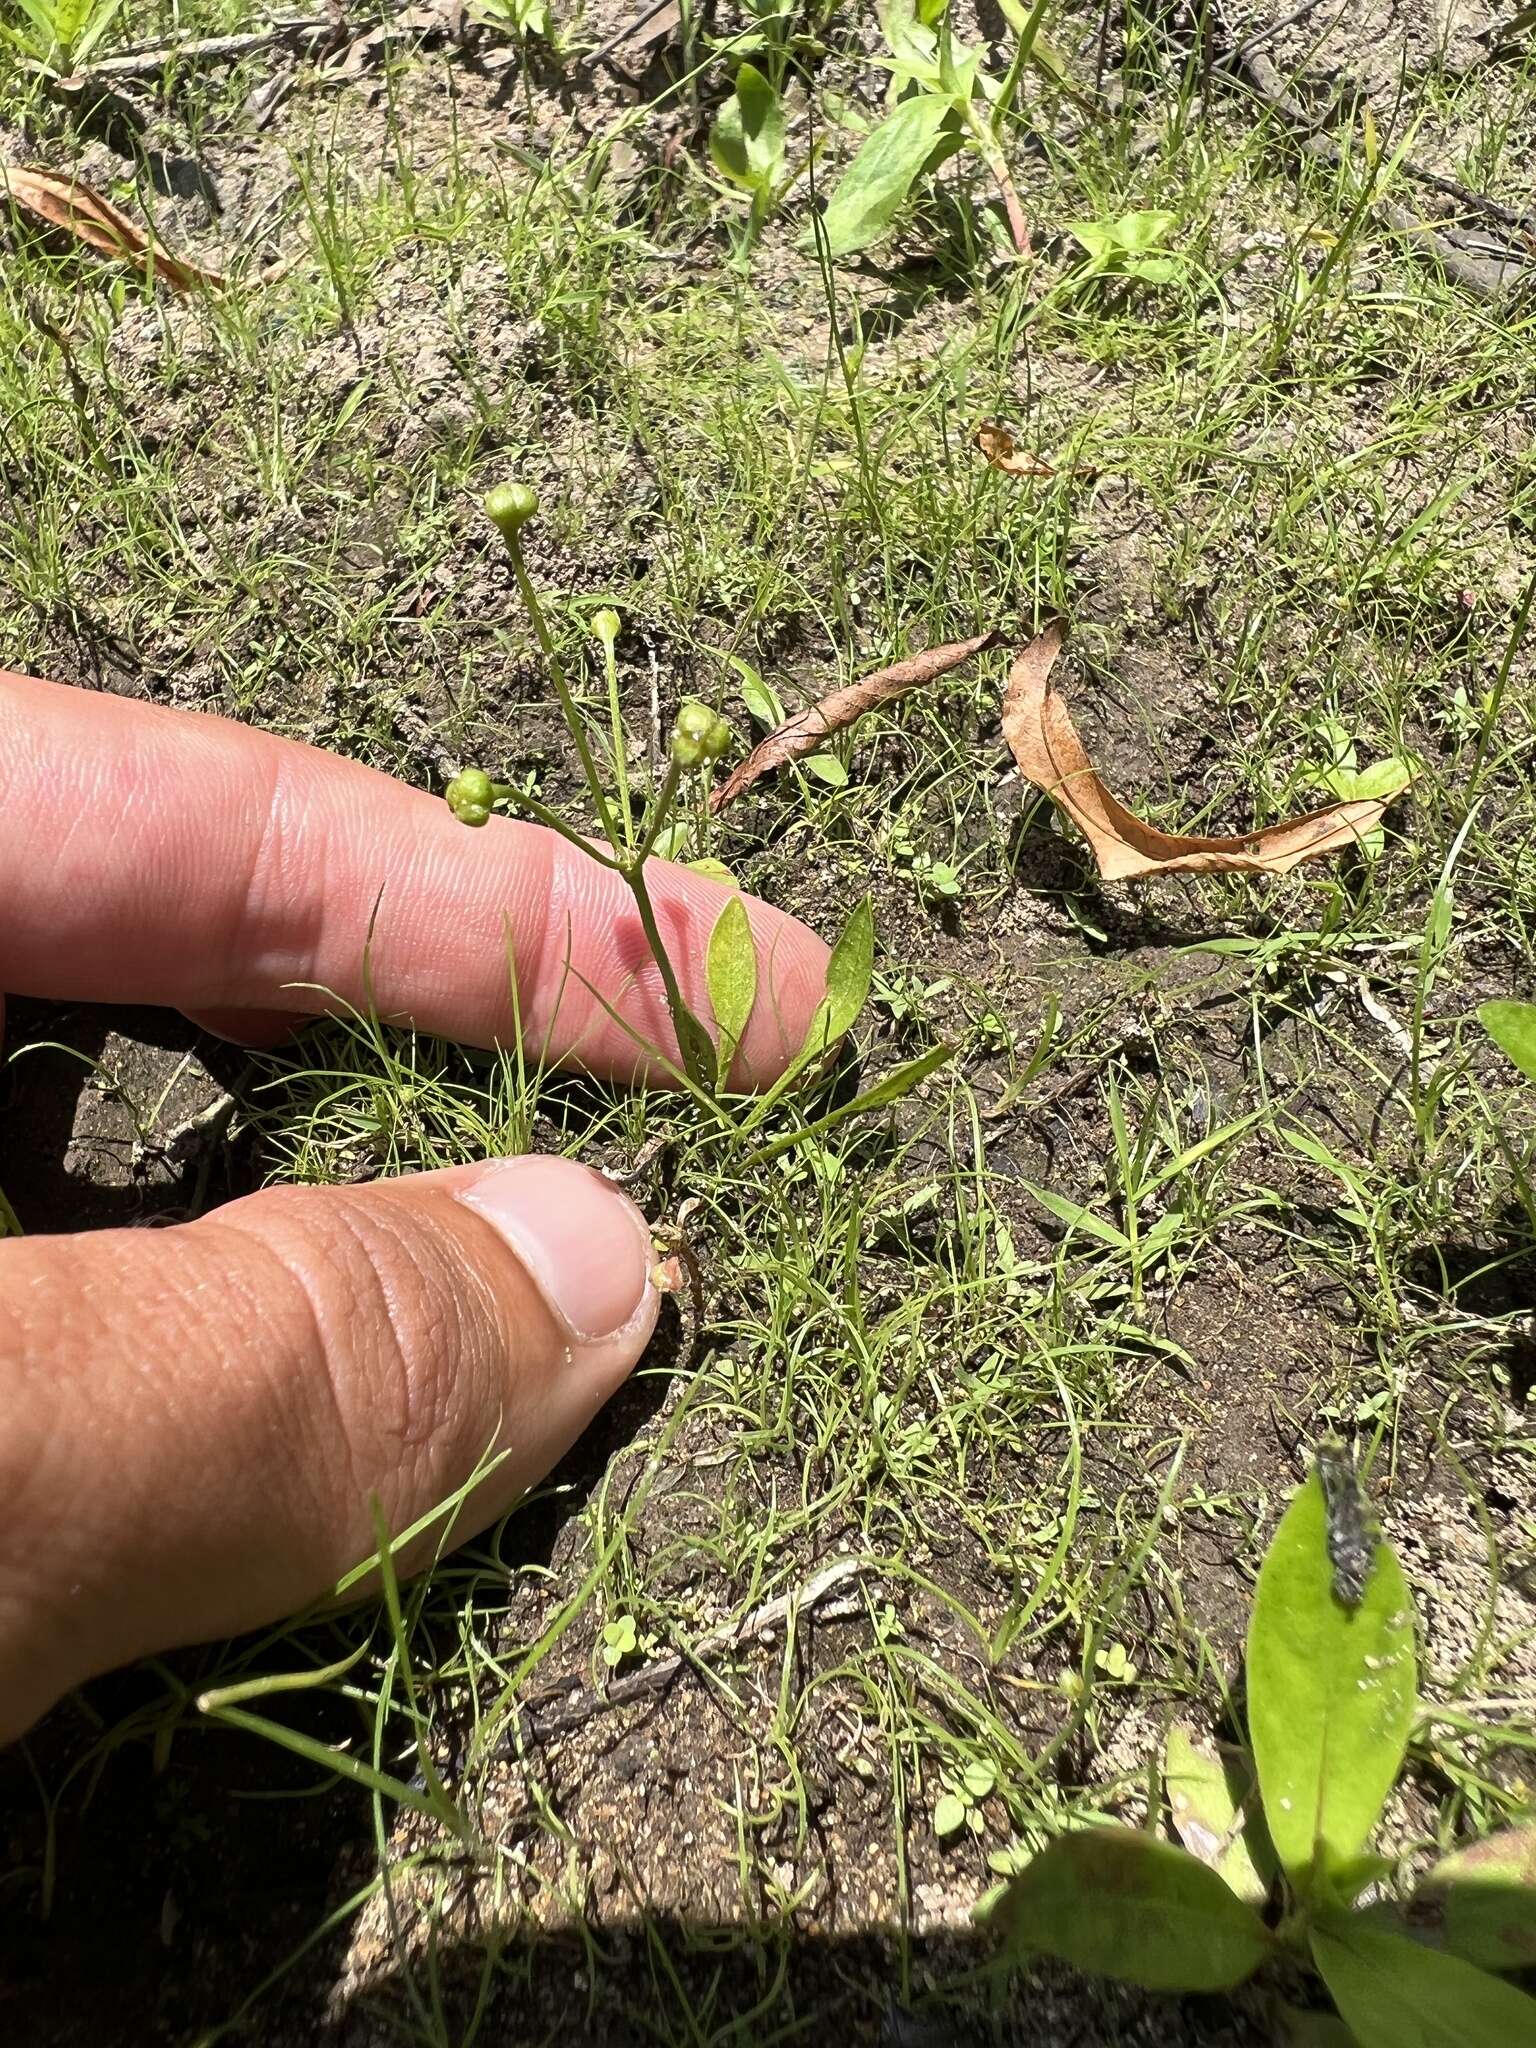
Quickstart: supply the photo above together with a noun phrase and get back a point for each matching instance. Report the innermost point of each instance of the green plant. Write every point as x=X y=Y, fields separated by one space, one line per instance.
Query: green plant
x=1277 y=1856
x=519 y=18
x=699 y=737
x=1127 y=247
x=62 y=33
x=746 y=146
x=942 y=100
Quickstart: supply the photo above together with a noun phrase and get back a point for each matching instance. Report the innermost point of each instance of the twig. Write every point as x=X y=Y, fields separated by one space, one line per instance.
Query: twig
x=199 y=50
x=1270 y=30
x=631 y=27
x=1487 y=273
x=554 y=1715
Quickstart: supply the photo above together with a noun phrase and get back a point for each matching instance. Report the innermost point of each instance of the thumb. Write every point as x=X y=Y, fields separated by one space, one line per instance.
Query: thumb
x=192 y=1420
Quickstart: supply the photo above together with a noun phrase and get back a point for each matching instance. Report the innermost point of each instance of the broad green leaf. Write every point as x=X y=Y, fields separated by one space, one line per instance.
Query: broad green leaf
x=948 y=1816
x=1096 y=237
x=875 y=186
x=910 y=35
x=759 y=698
x=1331 y=1694
x=746 y=143
x=890 y=1088
x=1486 y=1899
x=1383 y=778
x=1395 y=1993
x=1118 y=1903
x=850 y=970
x=1205 y=1792
x=761 y=701
x=1136 y=233
x=1152 y=269
x=828 y=769
x=731 y=969
x=1512 y=1027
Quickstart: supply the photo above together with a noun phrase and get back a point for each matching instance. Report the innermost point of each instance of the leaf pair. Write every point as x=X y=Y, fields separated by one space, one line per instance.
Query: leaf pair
x=1332 y=1696
x=746 y=144
x=732 y=982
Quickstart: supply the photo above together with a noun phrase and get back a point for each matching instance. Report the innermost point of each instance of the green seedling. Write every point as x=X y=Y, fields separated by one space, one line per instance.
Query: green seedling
x=519 y=18
x=747 y=148
x=942 y=101
x=700 y=737
x=1277 y=1838
x=960 y=1804
x=1128 y=247
x=59 y=35
x=1344 y=778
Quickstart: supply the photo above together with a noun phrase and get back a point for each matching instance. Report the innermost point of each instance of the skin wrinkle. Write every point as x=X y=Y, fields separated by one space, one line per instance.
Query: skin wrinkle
x=330 y=1465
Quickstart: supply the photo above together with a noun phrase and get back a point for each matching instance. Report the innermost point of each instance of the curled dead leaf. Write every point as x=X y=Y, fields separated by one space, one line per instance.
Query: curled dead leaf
x=1050 y=754
x=1000 y=445
x=1001 y=448
x=804 y=732
x=75 y=209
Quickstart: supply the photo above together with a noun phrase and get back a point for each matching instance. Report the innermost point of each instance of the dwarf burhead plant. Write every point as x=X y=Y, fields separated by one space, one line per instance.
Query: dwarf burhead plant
x=1277 y=1834
x=699 y=738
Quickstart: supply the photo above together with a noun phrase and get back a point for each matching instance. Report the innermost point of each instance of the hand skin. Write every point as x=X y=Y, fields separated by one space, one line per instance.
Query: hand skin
x=192 y=1419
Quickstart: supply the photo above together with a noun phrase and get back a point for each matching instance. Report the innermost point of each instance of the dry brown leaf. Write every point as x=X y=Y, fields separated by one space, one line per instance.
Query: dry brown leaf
x=66 y=204
x=1046 y=746
x=805 y=731
x=1000 y=446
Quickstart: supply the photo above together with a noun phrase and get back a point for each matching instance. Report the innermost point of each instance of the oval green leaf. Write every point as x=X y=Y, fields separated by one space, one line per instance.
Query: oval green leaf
x=1206 y=1793
x=1119 y=1903
x=1394 y=1993
x=1485 y=1897
x=746 y=143
x=732 y=977
x=876 y=184
x=1331 y=1694
x=850 y=971
x=1512 y=1027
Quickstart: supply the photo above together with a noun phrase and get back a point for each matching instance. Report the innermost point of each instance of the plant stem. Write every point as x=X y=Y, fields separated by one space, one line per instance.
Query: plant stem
x=693 y=1041
x=997 y=164
x=620 y=765
x=568 y=706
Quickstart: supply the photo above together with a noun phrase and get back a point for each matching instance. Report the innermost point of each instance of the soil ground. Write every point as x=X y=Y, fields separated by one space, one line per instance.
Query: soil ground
x=1291 y=516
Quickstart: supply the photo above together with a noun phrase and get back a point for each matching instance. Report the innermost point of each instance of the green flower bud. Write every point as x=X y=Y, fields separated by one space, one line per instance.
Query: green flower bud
x=695 y=722
x=605 y=626
x=472 y=814
x=686 y=752
x=471 y=786
x=511 y=506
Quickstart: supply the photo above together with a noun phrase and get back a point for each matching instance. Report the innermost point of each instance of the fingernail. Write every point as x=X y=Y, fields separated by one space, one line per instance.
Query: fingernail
x=582 y=1239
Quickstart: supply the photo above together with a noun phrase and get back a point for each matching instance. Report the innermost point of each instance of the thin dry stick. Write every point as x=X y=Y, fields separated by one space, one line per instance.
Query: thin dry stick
x=553 y=1716
x=1487 y=273
x=200 y=50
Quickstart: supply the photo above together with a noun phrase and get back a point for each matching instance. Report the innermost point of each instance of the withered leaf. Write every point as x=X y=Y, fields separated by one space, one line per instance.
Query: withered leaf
x=1050 y=754
x=1000 y=446
x=69 y=205
x=804 y=732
